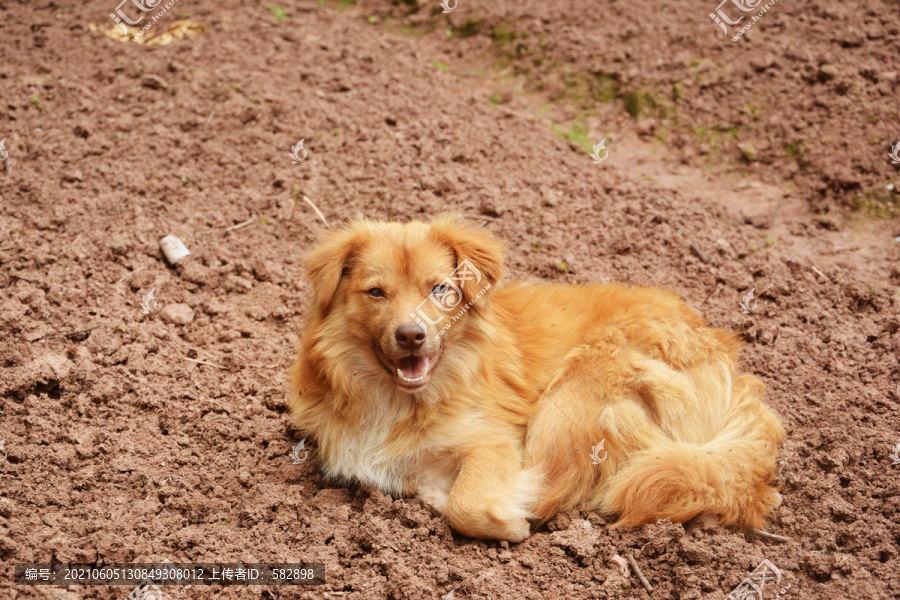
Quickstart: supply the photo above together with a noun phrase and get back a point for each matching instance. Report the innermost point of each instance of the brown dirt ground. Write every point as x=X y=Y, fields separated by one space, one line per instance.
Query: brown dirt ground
x=135 y=437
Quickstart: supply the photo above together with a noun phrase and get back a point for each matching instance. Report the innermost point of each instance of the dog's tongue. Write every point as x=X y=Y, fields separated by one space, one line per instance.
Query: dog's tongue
x=413 y=367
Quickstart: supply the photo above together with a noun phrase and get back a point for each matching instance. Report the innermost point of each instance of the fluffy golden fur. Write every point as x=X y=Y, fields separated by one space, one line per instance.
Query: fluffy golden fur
x=488 y=401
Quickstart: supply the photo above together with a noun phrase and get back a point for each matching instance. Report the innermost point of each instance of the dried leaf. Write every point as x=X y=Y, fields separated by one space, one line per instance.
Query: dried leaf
x=177 y=30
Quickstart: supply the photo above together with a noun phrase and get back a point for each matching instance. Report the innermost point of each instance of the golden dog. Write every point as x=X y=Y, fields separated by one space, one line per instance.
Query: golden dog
x=500 y=405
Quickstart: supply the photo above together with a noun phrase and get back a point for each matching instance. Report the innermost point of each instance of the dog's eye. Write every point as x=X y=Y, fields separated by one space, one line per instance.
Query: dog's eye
x=438 y=289
x=376 y=293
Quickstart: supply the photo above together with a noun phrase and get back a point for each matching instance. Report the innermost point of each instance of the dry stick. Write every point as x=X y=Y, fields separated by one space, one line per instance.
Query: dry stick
x=648 y=221
x=700 y=253
x=129 y=275
x=259 y=366
x=714 y=292
x=766 y=534
x=318 y=212
x=200 y=362
x=76 y=332
x=820 y=273
x=640 y=573
x=239 y=225
x=206 y=352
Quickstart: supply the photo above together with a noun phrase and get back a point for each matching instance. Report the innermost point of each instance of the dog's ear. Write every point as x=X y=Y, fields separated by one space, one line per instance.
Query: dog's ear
x=328 y=262
x=479 y=256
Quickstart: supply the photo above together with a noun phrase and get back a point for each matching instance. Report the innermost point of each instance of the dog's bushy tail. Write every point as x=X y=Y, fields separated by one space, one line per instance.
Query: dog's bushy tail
x=730 y=475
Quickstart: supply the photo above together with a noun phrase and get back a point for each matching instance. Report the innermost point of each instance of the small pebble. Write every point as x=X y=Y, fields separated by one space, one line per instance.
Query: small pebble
x=179 y=314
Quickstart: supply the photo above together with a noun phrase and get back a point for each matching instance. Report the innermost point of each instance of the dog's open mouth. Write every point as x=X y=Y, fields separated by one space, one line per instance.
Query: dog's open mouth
x=410 y=372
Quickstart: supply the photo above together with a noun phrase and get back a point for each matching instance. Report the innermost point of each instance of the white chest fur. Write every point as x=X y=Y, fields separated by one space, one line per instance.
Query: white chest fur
x=360 y=453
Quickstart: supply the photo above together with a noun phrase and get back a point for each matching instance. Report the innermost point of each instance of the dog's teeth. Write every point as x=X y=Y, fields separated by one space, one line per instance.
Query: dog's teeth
x=407 y=379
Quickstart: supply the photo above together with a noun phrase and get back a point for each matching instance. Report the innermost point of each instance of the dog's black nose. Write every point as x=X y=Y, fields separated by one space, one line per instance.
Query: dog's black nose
x=410 y=337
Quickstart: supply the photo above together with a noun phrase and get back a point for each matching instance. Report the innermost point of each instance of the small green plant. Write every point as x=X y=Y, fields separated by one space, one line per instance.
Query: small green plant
x=373 y=20
x=502 y=33
x=36 y=103
x=562 y=266
x=278 y=12
x=441 y=66
x=794 y=150
x=470 y=27
x=577 y=134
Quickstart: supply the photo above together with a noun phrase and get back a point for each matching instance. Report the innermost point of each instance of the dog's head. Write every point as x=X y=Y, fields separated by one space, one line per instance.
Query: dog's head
x=401 y=293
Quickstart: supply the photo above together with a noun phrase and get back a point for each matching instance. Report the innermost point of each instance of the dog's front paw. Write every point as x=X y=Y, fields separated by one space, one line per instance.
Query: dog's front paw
x=435 y=498
x=517 y=530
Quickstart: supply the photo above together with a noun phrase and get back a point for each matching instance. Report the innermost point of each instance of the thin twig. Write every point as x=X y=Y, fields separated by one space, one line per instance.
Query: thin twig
x=129 y=275
x=318 y=212
x=714 y=292
x=200 y=362
x=772 y=536
x=820 y=273
x=71 y=333
x=239 y=225
x=640 y=573
x=700 y=253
